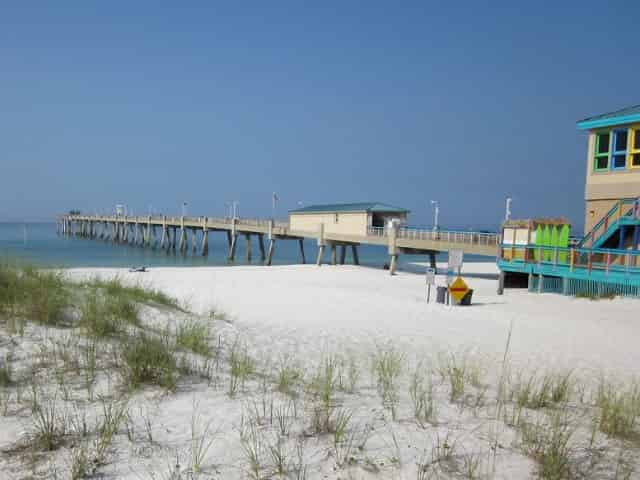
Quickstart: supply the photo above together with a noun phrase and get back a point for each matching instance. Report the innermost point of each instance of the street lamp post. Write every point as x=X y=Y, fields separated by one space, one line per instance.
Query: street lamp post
x=436 y=214
x=184 y=209
x=507 y=213
x=273 y=205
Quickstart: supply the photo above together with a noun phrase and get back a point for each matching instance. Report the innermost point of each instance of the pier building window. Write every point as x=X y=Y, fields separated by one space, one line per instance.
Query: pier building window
x=619 y=154
x=634 y=150
x=601 y=156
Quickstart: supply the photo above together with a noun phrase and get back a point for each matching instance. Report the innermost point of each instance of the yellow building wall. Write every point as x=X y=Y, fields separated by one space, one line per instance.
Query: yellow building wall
x=343 y=223
x=603 y=189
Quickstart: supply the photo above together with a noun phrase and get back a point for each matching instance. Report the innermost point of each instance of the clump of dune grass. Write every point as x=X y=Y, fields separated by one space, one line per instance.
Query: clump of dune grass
x=36 y=295
x=242 y=367
x=114 y=414
x=387 y=367
x=541 y=392
x=194 y=335
x=421 y=394
x=618 y=409
x=5 y=372
x=548 y=441
x=103 y=315
x=287 y=376
x=134 y=293
x=49 y=423
x=148 y=359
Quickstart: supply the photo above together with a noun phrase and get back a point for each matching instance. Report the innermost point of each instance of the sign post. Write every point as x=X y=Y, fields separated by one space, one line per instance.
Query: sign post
x=431 y=280
x=449 y=281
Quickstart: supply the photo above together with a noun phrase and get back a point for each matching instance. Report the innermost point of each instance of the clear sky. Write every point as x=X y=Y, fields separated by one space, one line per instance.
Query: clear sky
x=156 y=103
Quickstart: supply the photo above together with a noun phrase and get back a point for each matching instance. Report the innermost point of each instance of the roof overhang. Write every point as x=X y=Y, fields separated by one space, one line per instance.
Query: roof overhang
x=590 y=124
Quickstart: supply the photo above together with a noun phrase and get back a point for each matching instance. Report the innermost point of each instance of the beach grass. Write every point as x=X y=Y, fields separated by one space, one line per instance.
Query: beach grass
x=149 y=359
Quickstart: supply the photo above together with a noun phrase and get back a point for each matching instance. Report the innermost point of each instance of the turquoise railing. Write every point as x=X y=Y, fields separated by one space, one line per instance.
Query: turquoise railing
x=577 y=262
x=606 y=222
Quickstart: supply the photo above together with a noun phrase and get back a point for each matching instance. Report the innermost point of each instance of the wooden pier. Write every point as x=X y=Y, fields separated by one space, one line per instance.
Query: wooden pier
x=184 y=234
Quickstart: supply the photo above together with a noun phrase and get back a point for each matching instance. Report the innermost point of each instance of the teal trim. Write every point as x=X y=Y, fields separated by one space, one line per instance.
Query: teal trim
x=608 y=122
x=350 y=207
x=630 y=277
x=629 y=114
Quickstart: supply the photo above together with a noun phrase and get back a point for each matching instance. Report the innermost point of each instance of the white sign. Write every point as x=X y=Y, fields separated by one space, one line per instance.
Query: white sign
x=455 y=259
x=431 y=276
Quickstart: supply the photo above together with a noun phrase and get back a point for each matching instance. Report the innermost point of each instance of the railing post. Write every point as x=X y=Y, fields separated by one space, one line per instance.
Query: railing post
x=628 y=263
x=607 y=262
x=572 y=254
x=590 y=261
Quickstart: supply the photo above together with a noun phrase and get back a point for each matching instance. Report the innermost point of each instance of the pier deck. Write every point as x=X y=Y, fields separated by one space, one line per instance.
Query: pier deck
x=174 y=235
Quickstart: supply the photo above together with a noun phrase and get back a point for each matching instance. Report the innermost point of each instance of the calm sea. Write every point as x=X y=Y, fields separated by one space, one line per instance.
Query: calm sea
x=38 y=243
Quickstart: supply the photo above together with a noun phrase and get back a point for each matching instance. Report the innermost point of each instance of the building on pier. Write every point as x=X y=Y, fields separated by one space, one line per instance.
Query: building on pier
x=613 y=162
x=346 y=218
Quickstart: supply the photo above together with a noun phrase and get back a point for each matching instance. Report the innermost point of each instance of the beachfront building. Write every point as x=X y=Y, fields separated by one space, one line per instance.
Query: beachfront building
x=346 y=218
x=613 y=168
x=606 y=260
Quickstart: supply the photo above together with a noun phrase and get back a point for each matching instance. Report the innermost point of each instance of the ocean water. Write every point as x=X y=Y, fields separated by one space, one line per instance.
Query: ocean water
x=39 y=244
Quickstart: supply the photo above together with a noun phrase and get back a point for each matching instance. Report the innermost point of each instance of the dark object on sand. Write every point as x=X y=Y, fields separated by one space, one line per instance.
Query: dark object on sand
x=138 y=269
x=385 y=266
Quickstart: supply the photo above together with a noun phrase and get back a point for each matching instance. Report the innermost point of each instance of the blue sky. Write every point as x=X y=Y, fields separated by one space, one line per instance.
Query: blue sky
x=158 y=103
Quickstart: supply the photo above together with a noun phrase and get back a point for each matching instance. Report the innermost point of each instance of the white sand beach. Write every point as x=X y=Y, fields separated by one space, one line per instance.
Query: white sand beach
x=294 y=318
x=313 y=309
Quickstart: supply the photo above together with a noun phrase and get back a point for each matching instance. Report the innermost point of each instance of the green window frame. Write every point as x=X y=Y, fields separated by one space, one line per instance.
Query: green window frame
x=601 y=152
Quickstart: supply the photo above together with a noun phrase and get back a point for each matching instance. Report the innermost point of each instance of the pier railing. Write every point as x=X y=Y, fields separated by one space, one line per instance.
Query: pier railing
x=586 y=260
x=449 y=236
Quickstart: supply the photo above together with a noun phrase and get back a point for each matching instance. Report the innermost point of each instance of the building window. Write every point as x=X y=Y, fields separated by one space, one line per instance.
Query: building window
x=634 y=150
x=619 y=154
x=601 y=156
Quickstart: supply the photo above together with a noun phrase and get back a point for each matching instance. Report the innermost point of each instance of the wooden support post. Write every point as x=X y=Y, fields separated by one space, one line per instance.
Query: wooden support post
x=343 y=253
x=163 y=240
x=228 y=232
x=232 y=247
x=194 y=241
x=394 y=264
x=173 y=243
x=432 y=261
x=261 y=246
x=183 y=240
x=320 y=255
x=205 y=241
x=136 y=240
x=540 y=283
x=272 y=243
x=248 y=238
x=501 y=283
x=333 y=254
x=301 y=247
x=354 y=254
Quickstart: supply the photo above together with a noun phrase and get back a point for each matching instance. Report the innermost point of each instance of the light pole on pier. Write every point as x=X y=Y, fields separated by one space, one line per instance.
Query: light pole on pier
x=507 y=212
x=436 y=215
x=184 y=209
x=274 y=201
